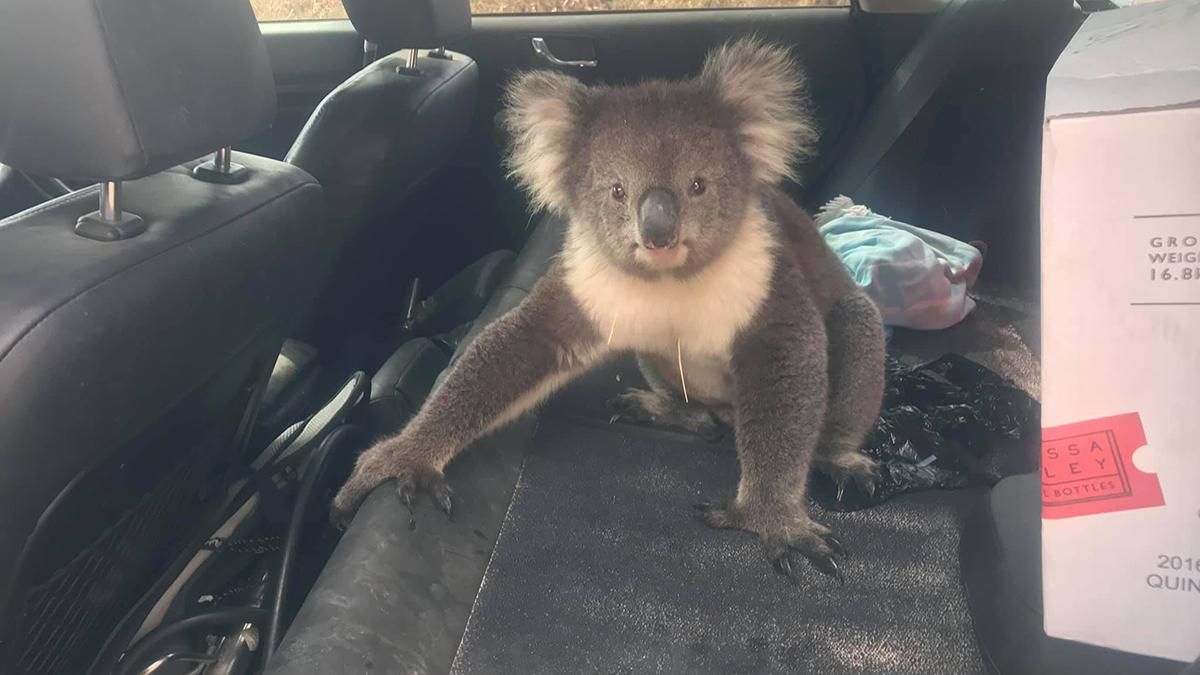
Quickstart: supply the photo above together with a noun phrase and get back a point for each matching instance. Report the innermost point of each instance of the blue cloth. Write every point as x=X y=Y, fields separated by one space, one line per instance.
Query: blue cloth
x=918 y=278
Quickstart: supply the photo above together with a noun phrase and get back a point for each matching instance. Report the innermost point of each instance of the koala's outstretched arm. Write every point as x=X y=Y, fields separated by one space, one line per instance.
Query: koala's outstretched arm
x=510 y=367
x=780 y=393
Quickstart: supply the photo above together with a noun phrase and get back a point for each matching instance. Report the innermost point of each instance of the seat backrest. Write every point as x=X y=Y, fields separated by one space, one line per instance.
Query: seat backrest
x=379 y=134
x=137 y=337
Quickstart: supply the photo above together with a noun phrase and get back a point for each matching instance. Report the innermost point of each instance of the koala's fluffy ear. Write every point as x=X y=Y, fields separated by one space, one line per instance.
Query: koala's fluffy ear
x=542 y=118
x=766 y=88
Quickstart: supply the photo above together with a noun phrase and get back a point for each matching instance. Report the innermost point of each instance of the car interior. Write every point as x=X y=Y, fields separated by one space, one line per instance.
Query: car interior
x=233 y=253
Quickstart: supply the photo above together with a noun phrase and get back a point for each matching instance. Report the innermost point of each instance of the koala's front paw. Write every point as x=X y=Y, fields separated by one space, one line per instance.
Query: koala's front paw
x=428 y=480
x=385 y=462
x=784 y=539
x=850 y=467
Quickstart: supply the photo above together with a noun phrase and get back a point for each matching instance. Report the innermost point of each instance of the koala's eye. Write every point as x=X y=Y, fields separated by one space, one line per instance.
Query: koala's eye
x=618 y=192
x=698 y=186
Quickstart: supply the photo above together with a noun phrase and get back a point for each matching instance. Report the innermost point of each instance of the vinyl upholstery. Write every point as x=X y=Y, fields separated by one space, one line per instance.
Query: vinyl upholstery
x=111 y=89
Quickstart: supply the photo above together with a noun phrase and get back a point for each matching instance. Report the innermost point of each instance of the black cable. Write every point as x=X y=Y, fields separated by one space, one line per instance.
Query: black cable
x=144 y=647
x=316 y=466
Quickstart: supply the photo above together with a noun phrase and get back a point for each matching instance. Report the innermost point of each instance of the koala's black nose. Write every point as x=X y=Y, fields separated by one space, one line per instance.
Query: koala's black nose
x=658 y=219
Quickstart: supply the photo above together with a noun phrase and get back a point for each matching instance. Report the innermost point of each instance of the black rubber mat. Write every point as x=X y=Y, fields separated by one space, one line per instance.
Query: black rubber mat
x=600 y=567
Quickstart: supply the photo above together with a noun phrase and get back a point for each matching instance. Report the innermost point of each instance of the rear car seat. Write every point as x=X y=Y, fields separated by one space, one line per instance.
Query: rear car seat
x=402 y=586
x=396 y=573
x=413 y=591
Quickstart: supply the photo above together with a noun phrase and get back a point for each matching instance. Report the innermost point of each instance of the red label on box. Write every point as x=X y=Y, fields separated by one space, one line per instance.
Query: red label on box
x=1087 y=468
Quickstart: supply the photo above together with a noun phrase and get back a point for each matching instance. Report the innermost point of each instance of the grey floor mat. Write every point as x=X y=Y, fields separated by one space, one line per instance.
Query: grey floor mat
x=600 y=567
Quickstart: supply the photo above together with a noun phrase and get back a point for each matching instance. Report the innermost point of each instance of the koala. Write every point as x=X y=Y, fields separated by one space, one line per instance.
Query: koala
x=681 y=248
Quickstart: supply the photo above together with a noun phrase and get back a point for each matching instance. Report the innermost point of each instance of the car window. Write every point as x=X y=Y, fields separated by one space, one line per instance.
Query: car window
x=285 y=10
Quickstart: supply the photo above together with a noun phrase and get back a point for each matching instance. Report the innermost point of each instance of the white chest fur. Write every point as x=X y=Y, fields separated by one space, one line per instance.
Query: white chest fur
x=701 y=315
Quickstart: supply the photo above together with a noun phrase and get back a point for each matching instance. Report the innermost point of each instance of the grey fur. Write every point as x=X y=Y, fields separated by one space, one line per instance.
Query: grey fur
x=854 y=332
x=486 y=387
x=742 y=123
x=780 y=342
x=662 y=407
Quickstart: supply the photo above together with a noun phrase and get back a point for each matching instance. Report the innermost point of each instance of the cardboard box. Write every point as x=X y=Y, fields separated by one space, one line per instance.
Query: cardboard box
x=1120 y=262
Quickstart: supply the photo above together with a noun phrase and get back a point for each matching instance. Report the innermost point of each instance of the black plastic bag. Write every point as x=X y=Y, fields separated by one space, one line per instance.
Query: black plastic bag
x=937 y=429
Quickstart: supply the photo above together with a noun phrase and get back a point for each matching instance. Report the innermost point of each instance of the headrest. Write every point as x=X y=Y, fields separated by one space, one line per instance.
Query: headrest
x=116 y=89
x=398 y=24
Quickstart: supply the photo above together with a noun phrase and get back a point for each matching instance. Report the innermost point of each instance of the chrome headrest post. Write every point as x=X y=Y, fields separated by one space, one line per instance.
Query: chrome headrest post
x=110 y=222
x=223 y=159
x=110 y=201
x=410 y=63
x=221 y=168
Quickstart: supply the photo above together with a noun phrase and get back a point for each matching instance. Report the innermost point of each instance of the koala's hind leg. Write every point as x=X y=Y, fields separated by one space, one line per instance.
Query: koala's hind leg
x=781 y=382
x=662 y=405
x=856 y=369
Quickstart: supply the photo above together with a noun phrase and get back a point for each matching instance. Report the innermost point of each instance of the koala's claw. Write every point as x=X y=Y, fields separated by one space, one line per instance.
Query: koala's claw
x=867 y=486
x=379 y=465
x=814 y=542
x=442 y=497
x=822 y=550
x=851 y=467
x=783 y=565
x=430 y=481
x=828 y=565
x=835 y=545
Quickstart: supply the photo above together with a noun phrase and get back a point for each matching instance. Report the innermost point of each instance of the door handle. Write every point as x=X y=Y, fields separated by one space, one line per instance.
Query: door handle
x=543 y=50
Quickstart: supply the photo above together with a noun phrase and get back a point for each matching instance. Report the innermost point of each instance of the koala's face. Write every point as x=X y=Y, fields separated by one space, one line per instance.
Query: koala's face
x=659 y=182
x=659 y=176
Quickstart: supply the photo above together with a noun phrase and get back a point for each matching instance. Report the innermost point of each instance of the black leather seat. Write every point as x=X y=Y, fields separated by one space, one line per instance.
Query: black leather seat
x=531 y=263
x=401 y=384
x=341 y=625
x=135 y=339
x=376 y=137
